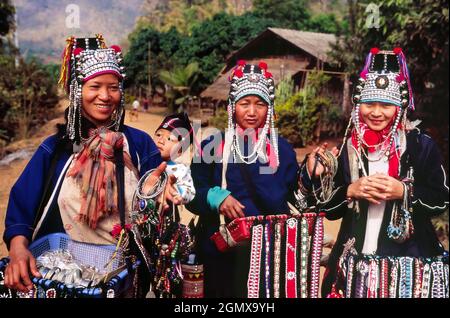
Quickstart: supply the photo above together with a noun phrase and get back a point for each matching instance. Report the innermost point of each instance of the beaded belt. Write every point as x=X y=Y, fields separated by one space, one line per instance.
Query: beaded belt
x=291 y=258
x=316 y=254
x=277 y=259
x=267 y=258
x=255 y=262
x=304 y=247
x=281 y=243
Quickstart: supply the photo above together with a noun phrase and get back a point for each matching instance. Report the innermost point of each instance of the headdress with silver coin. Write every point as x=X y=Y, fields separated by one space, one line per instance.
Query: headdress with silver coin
x=385 y=78
x=248 y=79
x=84 y=59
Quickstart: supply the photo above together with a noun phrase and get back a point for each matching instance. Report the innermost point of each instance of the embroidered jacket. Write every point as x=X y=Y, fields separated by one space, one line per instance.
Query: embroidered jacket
x=28 y=190
x=430 y=198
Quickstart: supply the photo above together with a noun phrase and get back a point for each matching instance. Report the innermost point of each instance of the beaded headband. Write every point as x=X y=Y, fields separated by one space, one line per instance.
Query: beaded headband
x=247 y=79
x=84 y=59
x=385 y=78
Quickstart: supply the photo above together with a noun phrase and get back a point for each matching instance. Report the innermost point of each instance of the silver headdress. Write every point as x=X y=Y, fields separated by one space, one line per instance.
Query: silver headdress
x=248 y=79
x=84 y=59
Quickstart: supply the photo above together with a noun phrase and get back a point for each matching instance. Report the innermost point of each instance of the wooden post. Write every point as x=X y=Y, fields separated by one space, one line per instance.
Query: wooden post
x=346 y=95
x=149 y=92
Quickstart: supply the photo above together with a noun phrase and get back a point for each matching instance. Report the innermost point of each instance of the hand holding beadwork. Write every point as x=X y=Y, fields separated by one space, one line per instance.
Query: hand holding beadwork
x=312 y=157
x=22 y=262
x=170 y=193
x=232 y=208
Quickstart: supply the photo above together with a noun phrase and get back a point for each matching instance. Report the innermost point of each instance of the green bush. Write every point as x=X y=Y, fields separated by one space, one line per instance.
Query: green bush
x=284 y=91
x=309 y=115
x=219 y=120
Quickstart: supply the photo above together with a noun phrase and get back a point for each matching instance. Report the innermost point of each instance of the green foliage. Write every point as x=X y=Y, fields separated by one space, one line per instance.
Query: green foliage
x=219 y=120
x=180 y=80
x=208 y=45
x=326 y=23
x=290 y=14
x=284 y=91
x=26 y=95
x=421 y=29
x=309 y=112
x=163 y=46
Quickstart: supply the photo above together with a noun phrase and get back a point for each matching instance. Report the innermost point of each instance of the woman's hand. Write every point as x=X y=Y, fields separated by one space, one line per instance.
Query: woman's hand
x=232 y=208
x=389 y=186
x=312 y=159
x=22 y=262
x=170 y=192
x=376 y=188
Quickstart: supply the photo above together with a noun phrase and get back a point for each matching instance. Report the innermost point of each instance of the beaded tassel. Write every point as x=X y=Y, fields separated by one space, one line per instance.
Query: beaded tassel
x=315 y=256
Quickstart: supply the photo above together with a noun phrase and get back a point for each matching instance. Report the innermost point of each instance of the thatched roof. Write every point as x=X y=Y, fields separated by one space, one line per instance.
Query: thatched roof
x=316 y=44
x=313 y=44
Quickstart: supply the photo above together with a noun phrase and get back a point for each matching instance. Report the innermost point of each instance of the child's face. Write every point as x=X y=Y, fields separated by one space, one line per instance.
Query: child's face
x=165 y=141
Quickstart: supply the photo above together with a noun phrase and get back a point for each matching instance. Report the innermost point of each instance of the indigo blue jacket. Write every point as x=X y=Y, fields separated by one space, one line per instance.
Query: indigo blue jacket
x=27 y=192
x=272 y=191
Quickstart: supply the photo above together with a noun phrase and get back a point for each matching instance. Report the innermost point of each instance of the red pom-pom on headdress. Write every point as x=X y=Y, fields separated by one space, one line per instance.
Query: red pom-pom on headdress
x=241 y=63
x=268 y=74
x=77 y=51
x=238 y=73
x=116 y=48
x=263 y=65
x=397 y=50
x=374 y=50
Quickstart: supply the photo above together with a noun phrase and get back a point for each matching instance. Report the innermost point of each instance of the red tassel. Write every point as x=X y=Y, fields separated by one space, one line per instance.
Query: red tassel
x=238 y=73
x=374 y=50
x=397 y=50
x=77 y=51
x=116 y=48
x=268 y=74
x=241 y=62
x=263 y=65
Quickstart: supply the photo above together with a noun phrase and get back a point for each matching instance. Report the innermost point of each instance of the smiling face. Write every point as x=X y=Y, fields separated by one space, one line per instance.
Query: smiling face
x=377 y=115
x=101 y=96
x=251 y=112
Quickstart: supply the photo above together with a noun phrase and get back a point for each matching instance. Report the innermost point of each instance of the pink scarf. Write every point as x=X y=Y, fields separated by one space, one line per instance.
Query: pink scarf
x=95 y=172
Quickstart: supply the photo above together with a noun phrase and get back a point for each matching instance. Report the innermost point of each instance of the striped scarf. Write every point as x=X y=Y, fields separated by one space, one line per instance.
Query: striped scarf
x=94 y=170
